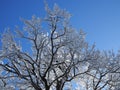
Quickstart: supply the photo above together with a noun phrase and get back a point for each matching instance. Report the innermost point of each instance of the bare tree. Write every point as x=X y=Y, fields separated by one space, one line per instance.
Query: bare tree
x=56 y=56
x=104 y=72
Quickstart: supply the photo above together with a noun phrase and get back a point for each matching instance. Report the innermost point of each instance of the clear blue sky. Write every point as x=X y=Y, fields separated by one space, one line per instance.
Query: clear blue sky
x=100 y=19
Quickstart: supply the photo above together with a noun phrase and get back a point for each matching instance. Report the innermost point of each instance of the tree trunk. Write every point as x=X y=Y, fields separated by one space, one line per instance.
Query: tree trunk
x=47 y=88
x=59 y=85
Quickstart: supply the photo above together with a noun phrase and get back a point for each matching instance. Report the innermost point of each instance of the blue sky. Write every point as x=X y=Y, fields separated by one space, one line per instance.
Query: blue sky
x=100 y=19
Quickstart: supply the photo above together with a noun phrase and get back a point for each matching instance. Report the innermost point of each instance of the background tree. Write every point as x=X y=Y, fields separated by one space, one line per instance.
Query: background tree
x=103 y=71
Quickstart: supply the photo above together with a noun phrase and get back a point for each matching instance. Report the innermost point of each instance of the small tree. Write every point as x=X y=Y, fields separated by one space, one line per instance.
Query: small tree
x=104 y=72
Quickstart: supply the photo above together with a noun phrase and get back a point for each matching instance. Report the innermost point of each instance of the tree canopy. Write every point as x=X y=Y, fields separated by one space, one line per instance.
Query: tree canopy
x=59 y=58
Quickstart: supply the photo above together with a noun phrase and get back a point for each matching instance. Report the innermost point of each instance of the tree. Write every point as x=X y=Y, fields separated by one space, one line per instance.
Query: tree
x=104 y=72
x=58 y=55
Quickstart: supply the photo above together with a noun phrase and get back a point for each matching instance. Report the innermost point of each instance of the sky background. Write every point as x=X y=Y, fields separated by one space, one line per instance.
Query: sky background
x=100 y=19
